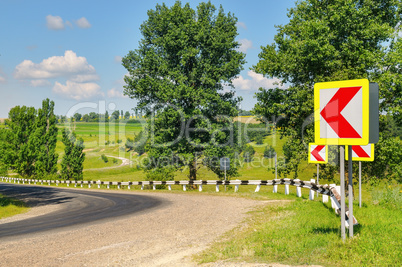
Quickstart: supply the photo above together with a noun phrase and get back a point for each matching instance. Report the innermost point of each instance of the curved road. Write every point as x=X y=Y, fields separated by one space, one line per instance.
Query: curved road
x=77 y=207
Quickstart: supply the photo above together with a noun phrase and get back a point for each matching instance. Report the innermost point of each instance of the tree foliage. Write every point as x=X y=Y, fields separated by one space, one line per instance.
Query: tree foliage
x=177 y=75
x=248 y=153
x=73 y=159
x=28 y=145
x=44 y=140
x=327 y=41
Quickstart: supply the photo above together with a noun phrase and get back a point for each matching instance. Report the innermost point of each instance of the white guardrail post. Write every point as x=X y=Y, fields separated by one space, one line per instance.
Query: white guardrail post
x=311 y=196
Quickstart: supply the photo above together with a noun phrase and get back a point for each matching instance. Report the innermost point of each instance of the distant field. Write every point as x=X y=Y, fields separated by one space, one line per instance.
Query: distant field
x=103 y=139
x=109 y=139
x=247 y=119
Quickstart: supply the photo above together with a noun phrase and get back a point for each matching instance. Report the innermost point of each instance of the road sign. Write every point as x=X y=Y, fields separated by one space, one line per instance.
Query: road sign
x=317 y=153
x=225 y=164
x=341 y=112
x=361 y=153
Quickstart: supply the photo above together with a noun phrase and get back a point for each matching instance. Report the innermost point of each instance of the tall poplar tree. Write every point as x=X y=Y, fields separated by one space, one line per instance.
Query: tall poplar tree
x=73 y=159
x=19 y=155
x=177 y=75
x=43 y=140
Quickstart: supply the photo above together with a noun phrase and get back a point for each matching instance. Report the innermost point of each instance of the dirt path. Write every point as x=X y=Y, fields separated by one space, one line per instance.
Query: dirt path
x=166 y=236
x=125 y=162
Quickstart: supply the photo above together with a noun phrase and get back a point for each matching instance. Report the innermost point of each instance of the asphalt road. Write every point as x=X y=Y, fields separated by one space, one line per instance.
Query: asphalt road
x=76 y=207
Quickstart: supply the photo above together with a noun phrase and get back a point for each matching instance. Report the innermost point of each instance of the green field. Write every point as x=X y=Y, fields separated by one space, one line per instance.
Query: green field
x=109 y=139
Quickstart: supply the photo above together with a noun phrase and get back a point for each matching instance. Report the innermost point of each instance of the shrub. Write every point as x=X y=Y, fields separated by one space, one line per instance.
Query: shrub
x=129 y=144
x=259 y=140
x=104 y=158
x=269 y=152
x=160 y=174
x=248 y=153
x=133 y=121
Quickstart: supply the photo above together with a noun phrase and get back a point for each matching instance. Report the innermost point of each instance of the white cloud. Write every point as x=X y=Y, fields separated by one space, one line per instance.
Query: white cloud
x=69 y=66
x=82 y=78
x=241 y=25
x=257 y=80
x=78 y=91
x=118 y=93
x=245 y=45
x=83 y=23
x=114 y=93
x=39 y=83
x=78 y=74
x=117 y=59
x=54 y=22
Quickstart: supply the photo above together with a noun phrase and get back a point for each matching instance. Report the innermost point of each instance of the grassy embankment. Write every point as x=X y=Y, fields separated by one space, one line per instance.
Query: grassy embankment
x=10 y=207
x=308 y=232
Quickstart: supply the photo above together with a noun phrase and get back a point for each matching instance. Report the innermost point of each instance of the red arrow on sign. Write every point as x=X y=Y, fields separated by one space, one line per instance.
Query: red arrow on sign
x=332 y=112
x=316 y=154
x=360 y=152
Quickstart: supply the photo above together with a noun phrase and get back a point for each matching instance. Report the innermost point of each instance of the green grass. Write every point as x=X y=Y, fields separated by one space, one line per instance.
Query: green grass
x=10 y=207
x=308 y=232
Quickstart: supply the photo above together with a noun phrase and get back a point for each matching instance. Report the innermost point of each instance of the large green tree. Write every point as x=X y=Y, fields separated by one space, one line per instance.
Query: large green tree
x=177 y=74
x=328 y=40
x=43 y=140
x=28 y=145
x=19 y=155
x=72 y=163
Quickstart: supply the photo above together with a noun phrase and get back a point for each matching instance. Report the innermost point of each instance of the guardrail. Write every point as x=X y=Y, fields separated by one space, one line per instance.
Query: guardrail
x=331 y=190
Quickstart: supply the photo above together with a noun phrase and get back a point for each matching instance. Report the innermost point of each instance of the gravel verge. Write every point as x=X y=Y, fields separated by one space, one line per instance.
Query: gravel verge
x=165 y=236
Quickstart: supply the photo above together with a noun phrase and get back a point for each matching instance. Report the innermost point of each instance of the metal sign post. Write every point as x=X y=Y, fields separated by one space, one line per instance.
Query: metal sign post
x=360 y=184
x=225 y=165
x=276 y=167
x=318 y=175
x=350 y=189
x=343 y=206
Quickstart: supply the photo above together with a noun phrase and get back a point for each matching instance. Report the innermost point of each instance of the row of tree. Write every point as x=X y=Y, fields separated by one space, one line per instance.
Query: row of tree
x=28 y=144
x=95 y=117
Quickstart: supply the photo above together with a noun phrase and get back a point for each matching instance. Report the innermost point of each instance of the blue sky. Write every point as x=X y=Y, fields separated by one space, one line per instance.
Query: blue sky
x=70 y=51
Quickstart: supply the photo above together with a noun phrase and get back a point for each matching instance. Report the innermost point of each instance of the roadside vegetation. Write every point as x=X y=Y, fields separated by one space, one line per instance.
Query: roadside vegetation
x=10 y=207
x=301 y=232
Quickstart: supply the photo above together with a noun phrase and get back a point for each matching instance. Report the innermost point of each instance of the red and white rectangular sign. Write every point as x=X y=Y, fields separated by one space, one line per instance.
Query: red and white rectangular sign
x=317 y=153
x=342 y=112
x=361 y=153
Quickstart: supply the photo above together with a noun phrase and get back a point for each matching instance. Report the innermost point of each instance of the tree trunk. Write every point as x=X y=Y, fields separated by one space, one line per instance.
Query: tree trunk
x=193 y=170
